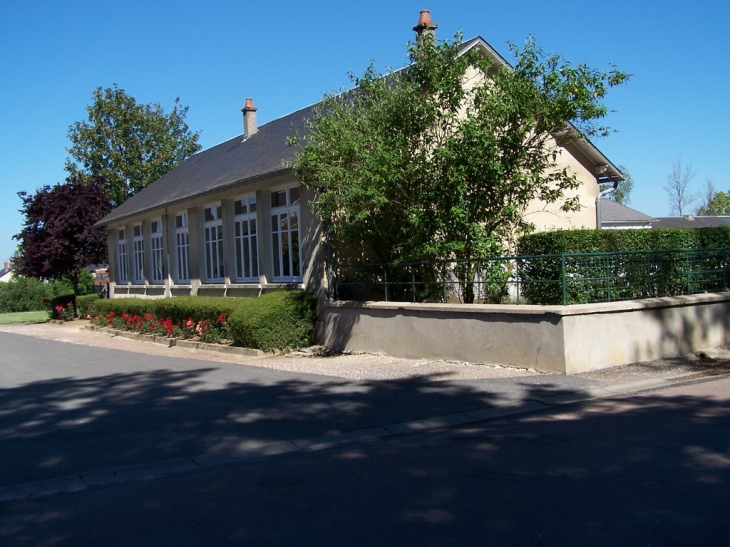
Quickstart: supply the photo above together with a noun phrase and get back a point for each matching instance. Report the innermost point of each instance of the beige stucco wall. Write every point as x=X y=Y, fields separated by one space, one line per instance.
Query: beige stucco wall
x=570 y=339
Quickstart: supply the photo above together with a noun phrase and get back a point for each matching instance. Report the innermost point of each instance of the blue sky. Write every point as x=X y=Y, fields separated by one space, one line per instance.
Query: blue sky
x=285 y=54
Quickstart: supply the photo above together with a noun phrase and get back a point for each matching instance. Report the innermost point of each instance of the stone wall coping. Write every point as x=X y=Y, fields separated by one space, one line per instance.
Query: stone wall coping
x=528 y=309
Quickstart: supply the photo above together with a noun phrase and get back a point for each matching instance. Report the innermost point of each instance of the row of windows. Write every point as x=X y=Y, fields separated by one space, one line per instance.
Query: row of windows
x=285 y=234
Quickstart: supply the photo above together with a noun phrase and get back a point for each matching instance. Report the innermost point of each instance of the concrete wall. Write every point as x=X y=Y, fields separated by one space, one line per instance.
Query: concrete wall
x=568 y=339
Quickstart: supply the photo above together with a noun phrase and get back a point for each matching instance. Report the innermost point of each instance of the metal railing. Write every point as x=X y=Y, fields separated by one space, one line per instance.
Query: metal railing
x=570 y=278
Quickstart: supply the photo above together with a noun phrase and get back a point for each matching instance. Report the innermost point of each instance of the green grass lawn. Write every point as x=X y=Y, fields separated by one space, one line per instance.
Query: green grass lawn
x=24 y=317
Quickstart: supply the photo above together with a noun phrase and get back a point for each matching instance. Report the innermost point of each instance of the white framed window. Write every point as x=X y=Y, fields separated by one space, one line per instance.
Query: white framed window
x=285 y=234
x=182 y=243
x=157 y=255
x=137 y=254
x=213 y=228
x=121 y=257
x=244 y=222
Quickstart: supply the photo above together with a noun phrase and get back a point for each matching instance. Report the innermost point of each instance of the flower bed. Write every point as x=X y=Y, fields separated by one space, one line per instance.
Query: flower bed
x=204 y=330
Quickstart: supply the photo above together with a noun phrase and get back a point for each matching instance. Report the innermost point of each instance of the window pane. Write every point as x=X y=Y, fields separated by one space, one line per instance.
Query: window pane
x=294 y=217
x=285 y=254
x=252 y=204
x=253 y=225
x=277 y=255
x=295 y=252
x=278 y=198
x=239 y=207
x=218 y=212
x=254 y=258
x=179 y=221
x=293 y=195
x=283 y=218
x=137 y=231
x=209 y=214
x=246 y=260
x=244 y=227
x=275 y=224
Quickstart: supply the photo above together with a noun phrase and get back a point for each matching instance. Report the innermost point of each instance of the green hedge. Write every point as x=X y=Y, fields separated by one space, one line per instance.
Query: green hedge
x=646 y=269
x=86 y=305
x=605 y=241
x=178 y=309
x=280 y=321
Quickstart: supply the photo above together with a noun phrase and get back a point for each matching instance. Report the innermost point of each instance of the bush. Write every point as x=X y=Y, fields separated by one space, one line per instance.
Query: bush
x=86 y=305
x=279 y=320
x=646 y=269
x=62 y=307
x=23 y=294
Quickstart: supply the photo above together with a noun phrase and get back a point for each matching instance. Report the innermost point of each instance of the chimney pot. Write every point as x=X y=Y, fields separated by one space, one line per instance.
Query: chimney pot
x=249 y=119
x=425 y=24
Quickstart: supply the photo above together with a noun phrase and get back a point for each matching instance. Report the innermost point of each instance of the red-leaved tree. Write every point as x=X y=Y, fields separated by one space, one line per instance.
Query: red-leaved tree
x=58 y=238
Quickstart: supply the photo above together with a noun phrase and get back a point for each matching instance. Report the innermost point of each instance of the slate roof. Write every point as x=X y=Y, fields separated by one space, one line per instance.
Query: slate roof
x=690 y=221
x=264 y=153
x=230 y=163
x=614 y=213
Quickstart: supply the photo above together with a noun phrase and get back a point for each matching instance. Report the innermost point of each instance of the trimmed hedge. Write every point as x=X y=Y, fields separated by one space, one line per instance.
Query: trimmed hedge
x=86 y=305
x=179 y=309
x=281 y=320
x=607 y=241
x=275 y=321
x=622 y=276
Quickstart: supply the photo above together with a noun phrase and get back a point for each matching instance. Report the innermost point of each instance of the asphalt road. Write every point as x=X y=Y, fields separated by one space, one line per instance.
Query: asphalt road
x=650 y=469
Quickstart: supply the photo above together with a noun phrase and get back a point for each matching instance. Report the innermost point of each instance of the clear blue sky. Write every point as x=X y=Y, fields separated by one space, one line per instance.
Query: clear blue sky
x=285 y=54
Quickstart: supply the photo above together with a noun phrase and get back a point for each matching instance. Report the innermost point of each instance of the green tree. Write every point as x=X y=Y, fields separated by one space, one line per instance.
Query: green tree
x=714 y=203
x=441 y=159
x=623 y=192
x=128 y=144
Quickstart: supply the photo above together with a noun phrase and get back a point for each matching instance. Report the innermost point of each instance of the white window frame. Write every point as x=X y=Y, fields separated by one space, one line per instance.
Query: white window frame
x=122 y=257
x=158 y=256
x=213 y=238
x=284 y=239
x=245 y=229
x=137 y=254
x=182 y=244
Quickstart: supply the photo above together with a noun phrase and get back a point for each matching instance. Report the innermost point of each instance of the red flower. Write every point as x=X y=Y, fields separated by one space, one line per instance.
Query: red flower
x=59 y=308
x=222 y=318
x=124 y=315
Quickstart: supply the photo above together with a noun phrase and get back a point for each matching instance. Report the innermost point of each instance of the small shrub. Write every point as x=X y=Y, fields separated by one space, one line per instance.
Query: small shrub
x=279 y=320
x=86 y=305
x=62 y=307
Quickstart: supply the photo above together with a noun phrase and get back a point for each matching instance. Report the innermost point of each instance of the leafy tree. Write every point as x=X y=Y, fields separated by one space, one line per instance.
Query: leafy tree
x=714 y=203
x=441 y=159
x=677 y=187
x=623 y=192
x=58 y=238
x=128 y=144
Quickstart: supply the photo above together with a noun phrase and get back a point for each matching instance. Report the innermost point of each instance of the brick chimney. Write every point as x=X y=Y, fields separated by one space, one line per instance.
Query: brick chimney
x=425 y=26
x=249 y=119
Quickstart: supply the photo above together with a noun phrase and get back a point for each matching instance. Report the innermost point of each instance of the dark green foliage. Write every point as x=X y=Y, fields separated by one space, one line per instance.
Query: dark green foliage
x=128 y=144
x=178 y=309
x=86 y=305
x=647 y=266
x=23 y=294
x=276 y=321
x=414 y=165
x=62 y=307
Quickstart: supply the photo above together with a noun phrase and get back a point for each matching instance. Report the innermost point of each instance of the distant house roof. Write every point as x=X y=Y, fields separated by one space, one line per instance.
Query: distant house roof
x=690 y=221
x=614 y=214
x=265 y=153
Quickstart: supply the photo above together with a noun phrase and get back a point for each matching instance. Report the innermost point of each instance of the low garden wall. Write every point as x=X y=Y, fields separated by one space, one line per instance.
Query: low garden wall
x=569 y=339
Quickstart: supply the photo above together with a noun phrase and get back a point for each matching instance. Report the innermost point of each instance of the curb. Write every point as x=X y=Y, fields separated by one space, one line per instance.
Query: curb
x=173 y=342
x=166 y=468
